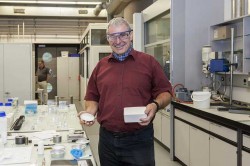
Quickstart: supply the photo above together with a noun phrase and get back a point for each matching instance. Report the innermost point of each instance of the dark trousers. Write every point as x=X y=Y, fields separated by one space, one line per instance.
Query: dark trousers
x=127 y=149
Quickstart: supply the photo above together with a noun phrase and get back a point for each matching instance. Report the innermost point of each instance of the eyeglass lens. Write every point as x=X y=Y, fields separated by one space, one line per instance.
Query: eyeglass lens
x=121 y=36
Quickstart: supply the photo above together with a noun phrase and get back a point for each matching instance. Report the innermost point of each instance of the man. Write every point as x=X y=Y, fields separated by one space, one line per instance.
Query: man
x=126 y=78
x=43 y=75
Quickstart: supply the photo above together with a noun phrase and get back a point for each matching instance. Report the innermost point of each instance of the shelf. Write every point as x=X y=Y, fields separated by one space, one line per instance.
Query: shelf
x=236 y=37
x=229 y=22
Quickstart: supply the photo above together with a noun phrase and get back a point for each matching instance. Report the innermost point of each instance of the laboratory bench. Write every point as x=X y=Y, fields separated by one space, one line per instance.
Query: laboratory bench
x=209 y=137
x=54 y=125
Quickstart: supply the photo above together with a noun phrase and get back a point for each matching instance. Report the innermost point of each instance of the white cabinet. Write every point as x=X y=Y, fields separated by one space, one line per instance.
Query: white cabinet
x=162 y=127
x=245 y=158
x=222 y=153
x=165 y=130
x=195 y=147
x=223 y=131
x=191 y=144
x=246 y=155
x=199 y=147
x=68 y=77
x=181 y=141
x=16 y=71
x=157 y=126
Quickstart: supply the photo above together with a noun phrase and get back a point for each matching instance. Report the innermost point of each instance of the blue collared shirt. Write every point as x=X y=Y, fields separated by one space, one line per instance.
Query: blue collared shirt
x=123 y=56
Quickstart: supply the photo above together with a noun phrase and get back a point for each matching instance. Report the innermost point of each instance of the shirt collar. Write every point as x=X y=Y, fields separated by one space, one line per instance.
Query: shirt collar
x=131 y=54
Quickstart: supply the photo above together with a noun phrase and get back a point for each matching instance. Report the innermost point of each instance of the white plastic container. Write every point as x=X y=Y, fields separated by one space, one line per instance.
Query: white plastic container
x=3 y=126
x=201 y=99
x=1 y=147
x=40 y=147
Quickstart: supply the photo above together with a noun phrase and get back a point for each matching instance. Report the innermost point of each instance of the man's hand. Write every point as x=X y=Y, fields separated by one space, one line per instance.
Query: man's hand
x=150 y=111
x=83 y=122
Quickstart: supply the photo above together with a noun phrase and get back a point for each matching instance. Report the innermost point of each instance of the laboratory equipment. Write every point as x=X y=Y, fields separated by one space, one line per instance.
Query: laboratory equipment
x=219 y=65
x=206 y=50
x=183 y=94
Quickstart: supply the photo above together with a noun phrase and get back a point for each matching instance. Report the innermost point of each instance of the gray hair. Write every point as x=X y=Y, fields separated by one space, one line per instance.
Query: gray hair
x=118 y=21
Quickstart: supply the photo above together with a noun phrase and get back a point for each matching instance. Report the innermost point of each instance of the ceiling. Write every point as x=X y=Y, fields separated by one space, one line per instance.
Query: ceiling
x=50 y=17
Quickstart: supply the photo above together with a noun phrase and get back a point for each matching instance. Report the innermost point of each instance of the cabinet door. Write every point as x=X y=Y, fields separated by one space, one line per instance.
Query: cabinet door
x=199 y=147
x=245 y=158
x=18 y=71
x=1 y=74
x=181 y=139
x=62 y=77
x=165 y=130
x=74 y=77
x=222 y=153
x=157 y=126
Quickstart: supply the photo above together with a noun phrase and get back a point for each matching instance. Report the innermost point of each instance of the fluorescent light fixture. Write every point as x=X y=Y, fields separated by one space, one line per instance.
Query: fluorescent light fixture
x=55 y=2
x=19 y=10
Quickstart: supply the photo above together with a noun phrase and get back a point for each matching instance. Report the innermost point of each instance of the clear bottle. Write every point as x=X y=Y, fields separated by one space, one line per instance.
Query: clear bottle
x=3 y=128
x=8 y=107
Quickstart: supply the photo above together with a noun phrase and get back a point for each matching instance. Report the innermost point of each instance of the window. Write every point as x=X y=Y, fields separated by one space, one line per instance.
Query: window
x=98 y=37
x=158 y=29
x=157 y=40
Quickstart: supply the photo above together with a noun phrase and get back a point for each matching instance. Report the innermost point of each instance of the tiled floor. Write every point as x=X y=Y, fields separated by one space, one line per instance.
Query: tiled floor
x=162 y=156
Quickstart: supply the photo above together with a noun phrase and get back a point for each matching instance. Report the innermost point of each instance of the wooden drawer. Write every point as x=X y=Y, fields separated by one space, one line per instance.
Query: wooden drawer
x=223 y=131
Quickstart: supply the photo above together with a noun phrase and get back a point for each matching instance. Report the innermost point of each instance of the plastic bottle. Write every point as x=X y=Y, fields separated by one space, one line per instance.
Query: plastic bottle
x=1 y=106
x=8 y=107
x=3 y=128
x=1 y=146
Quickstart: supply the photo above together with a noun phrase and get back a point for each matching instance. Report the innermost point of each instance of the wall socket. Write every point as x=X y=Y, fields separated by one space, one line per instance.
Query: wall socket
x=238 y=80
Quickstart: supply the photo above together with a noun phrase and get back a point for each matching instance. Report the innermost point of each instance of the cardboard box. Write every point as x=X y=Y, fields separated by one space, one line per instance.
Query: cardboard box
x=64 y=53
x=134 y=114
x=222 y=32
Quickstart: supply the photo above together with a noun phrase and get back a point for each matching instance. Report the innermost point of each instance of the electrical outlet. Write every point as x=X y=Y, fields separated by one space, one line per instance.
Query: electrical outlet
x=238 y=80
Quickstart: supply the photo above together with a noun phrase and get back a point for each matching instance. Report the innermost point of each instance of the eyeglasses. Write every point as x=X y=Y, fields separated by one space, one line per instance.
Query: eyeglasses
x=121 y=35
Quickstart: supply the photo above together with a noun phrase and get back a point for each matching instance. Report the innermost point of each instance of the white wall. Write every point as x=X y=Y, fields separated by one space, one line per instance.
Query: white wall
x=190 y=28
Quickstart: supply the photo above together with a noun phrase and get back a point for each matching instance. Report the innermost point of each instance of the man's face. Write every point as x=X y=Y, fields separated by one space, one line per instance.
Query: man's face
x=40 y=65
x=119 y=38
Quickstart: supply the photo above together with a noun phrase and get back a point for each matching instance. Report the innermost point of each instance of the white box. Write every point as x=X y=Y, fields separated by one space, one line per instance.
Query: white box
x=64 y=53
x=134 y=114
